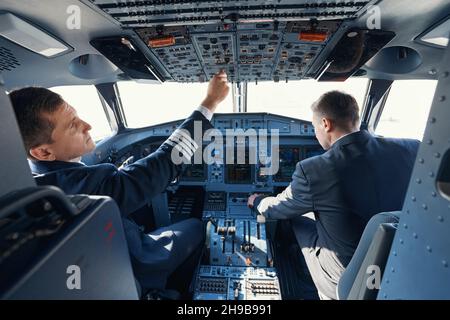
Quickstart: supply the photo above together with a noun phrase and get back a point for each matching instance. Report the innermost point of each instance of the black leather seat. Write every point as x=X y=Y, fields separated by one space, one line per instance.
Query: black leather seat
x=373 y=250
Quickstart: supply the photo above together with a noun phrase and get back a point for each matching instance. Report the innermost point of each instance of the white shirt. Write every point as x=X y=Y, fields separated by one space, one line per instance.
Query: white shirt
x=206 y=112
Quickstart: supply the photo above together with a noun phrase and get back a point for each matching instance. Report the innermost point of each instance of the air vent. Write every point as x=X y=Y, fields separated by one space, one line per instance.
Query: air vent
x=7 y=60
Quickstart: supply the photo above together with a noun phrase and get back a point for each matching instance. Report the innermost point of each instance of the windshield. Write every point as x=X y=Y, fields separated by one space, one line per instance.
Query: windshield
x=294 y=99
x=150 y=104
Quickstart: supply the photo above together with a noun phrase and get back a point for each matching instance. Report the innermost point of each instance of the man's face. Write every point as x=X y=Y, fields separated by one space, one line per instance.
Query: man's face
x=71 y=135
x=320 y=128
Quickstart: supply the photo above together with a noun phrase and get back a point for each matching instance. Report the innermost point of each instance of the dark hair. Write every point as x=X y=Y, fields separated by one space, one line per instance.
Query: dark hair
x=339 y=107
x=32 y=107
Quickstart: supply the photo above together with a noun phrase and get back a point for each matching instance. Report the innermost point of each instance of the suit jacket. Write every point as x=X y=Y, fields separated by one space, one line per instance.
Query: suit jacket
x=359 y=176
x=132 y=187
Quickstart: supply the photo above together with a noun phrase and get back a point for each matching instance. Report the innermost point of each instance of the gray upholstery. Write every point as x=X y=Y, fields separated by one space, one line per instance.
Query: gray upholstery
x=373 y=248
x=15 y=173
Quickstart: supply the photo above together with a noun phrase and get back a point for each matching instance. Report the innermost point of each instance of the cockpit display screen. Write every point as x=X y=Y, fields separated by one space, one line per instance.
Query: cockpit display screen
x=289 y=156
x=239 y=173
x=194 y=172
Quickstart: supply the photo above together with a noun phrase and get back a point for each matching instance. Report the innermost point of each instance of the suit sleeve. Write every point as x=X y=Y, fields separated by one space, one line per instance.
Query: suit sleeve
x=135 y=185
x=294 y=201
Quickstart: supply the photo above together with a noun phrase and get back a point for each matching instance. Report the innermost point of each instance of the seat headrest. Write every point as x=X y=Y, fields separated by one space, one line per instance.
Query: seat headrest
x=15 y=172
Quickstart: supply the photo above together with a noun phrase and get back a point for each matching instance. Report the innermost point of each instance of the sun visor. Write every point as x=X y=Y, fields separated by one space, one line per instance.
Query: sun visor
x=126 y=55
x=354 y=49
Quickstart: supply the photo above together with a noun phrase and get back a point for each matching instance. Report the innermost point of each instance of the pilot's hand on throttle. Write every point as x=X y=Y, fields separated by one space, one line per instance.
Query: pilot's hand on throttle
x=217 y=91
x=251 y=200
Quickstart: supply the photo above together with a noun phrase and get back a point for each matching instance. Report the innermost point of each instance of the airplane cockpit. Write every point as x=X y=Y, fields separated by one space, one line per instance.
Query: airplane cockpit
x=135 y=70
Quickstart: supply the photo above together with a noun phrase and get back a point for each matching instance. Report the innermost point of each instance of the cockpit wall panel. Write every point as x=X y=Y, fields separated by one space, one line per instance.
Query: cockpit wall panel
x=418 y=264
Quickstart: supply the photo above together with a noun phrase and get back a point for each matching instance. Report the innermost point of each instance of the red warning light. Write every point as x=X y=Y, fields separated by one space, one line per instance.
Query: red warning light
x=310 y=36
x=163 y=41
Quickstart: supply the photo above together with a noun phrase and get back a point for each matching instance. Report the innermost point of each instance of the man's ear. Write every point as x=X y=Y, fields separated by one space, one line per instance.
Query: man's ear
x=43 y=153
x=327 y=124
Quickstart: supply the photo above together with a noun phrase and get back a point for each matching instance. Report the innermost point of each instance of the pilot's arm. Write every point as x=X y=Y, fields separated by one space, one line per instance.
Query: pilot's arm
x=136 y=184
x=294 y=201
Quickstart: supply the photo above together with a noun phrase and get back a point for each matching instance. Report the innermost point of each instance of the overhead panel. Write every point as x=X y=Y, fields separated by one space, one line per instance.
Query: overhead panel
x=190 y=41
x=247 y=52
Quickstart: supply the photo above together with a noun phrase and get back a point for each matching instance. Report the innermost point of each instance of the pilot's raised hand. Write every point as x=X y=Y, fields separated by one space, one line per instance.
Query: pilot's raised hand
x=217 y=91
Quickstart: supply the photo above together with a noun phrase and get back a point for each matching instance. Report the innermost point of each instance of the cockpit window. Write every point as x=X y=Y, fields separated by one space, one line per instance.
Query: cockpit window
x=294 y=99
x=149 y=104
x=86 y=101
x=406 y=110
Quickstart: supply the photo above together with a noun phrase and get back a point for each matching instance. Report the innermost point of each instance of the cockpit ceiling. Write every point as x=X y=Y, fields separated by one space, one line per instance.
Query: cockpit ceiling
x=253 y=40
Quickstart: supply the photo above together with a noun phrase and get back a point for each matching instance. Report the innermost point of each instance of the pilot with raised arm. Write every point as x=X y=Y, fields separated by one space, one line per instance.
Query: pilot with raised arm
x=332 y=196
x=56 y=138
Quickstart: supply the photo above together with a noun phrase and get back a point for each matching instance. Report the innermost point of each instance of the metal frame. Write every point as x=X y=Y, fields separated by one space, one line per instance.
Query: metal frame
x=239 y=92
x=110 y=97
x=376 y=96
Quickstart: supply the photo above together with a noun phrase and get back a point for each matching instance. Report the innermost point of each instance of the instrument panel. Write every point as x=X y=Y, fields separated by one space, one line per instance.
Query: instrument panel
x=247 y=52
x=238 y=264
x=189 y=41
x=296 y=142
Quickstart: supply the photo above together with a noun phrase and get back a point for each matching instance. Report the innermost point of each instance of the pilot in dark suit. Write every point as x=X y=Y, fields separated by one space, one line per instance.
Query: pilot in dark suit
x=56 y=138
x=359 y=176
